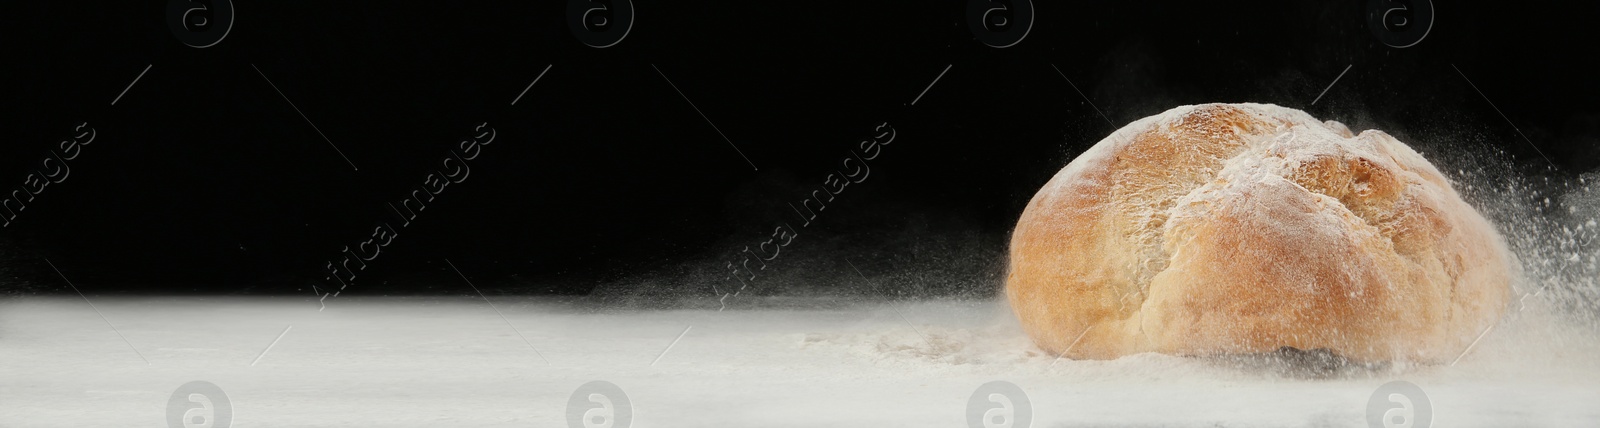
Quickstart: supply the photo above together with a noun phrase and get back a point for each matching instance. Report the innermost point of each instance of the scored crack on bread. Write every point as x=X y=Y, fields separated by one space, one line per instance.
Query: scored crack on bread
x=1244 y=228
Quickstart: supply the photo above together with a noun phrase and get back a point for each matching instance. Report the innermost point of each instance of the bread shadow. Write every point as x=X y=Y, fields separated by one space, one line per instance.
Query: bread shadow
x=1291 y=362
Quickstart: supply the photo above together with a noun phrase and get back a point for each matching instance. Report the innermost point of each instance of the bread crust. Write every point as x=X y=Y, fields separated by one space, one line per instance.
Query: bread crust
x=1243 y=228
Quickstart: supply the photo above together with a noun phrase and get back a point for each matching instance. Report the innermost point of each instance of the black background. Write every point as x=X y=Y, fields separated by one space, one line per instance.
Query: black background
x=203 y=179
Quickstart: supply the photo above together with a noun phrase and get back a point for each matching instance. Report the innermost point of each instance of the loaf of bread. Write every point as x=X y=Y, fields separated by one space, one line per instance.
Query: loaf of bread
x=1245 y=228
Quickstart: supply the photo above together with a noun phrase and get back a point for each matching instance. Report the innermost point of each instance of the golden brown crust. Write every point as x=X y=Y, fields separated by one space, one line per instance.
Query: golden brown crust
x=1241 y=228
